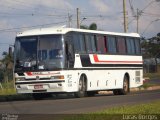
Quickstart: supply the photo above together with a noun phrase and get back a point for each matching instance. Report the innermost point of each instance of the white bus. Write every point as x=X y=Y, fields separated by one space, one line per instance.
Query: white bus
x=83 y=62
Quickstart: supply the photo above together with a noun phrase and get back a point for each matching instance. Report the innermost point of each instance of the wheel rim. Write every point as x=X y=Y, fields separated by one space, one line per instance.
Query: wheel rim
x=125 y=85
x=80 y=86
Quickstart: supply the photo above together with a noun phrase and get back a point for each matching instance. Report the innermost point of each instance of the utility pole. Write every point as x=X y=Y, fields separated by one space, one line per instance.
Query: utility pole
x=124 y=15
x=137 y=20
x=78 y=25
x=69 y=20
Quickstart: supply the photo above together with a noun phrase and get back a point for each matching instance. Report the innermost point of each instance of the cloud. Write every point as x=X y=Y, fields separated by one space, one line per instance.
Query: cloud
x=3 y=24
x=33 y=5
x=150 y=12
x=99 y=5
x=59 y=4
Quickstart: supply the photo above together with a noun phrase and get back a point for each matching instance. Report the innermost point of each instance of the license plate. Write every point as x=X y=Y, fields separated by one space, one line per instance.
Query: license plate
x=38 y=86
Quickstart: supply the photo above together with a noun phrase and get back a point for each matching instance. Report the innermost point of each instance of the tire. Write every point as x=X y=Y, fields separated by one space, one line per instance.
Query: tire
x=125 y=88
x=40 y=96
x=37 y=96
x=91 y=93
x=116 y=92
x=81 y=88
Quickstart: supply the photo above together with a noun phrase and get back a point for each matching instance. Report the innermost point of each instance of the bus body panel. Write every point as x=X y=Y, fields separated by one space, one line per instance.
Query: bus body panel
x=103 y=71
x=98 y=78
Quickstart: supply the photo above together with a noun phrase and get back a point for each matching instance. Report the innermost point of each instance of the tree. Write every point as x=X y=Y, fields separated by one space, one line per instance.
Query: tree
x=84 y=27
x=7 y=68
x=92 y=26
x=152 y=48
x=158 y=34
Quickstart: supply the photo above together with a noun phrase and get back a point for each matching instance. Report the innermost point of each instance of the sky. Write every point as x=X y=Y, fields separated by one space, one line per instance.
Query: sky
x=21 y=15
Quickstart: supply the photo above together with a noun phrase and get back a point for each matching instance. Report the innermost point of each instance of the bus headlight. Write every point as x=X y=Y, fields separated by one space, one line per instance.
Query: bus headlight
x=20 y=79
x=59 y=77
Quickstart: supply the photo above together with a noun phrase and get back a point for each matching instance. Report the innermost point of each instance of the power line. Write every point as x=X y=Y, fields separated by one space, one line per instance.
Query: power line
x=30 y=6
x=132 y=8
x=152 y=14
x=19 y=3
x=4 y=30
x=31 y=14
x=149 y=25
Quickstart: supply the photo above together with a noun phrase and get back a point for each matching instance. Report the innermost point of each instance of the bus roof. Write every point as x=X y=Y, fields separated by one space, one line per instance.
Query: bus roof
x=48 y=31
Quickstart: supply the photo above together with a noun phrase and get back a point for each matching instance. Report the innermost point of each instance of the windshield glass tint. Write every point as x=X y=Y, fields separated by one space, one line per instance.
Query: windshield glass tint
x=39 y=53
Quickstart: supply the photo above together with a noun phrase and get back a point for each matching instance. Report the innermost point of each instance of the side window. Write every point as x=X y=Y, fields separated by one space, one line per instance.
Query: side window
x=93 y=43
x=105 y=44
x=82 y=43
x=101 y=45
x=121 y=45
x=137 y=46
x=69 y=54
x=130 y=45
x=88 y=43
x=76 y=42
x=112 y=48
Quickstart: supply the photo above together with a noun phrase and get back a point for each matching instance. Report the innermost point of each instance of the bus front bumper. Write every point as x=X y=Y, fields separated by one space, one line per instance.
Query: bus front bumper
x=40 y=87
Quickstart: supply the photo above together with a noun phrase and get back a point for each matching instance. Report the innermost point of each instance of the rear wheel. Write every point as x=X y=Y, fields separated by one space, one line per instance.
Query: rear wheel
x=125 y=89
x=116 y=92
x=81 y=88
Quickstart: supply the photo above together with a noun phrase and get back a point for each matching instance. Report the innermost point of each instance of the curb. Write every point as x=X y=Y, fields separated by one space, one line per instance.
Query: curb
x=17 y=97
x=133 y=90
x=142 y=89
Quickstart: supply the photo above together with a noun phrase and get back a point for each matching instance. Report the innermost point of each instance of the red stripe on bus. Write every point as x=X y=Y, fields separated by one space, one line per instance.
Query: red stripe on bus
x=36 y=73
x=29 y=73
x=97 y=60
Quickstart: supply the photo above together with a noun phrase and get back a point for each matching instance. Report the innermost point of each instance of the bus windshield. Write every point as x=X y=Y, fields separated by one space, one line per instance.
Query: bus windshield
x=39 y=53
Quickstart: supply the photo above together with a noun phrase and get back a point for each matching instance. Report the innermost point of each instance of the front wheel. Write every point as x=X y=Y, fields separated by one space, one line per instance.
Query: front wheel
x=40 y=96
x=81 y=88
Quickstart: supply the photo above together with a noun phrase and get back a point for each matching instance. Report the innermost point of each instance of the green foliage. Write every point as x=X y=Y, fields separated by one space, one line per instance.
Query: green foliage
x=8 y=88
x=147 y=85
x=9 y=85
x=92 y=26
x=117 y=113
x=6 y=73
x=84 y=27
x=9 y=91
x=152 y=75
x=150 y=108
x=152 y=47
x=1 y=75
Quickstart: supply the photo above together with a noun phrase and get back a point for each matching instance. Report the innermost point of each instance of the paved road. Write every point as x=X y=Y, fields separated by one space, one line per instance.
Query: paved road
x=154 y=81
x=64 y=105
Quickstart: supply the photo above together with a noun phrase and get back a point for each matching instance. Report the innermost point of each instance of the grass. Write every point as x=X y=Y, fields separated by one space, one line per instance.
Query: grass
x=147 y=85
x=152 y=75
x=149 y=109
x=8 y=91
x=8 y=88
